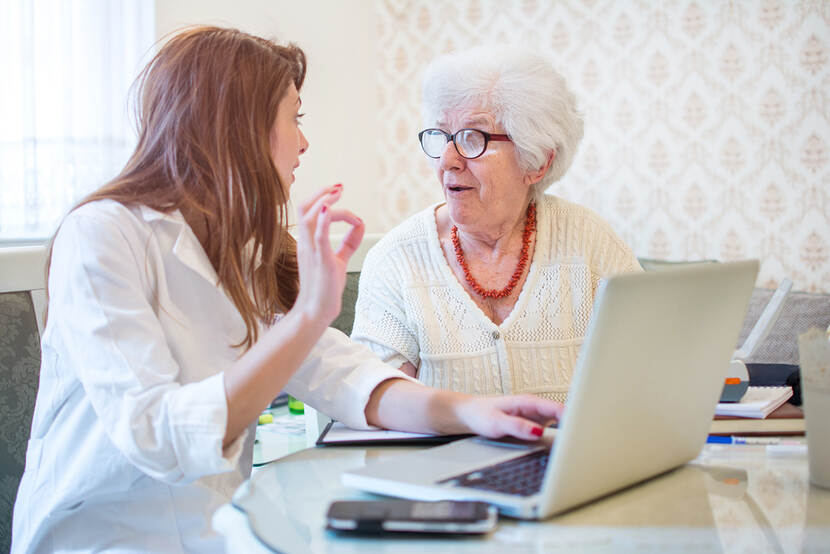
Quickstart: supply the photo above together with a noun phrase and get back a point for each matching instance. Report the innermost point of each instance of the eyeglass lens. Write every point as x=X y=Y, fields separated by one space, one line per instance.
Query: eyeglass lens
x=470 y=143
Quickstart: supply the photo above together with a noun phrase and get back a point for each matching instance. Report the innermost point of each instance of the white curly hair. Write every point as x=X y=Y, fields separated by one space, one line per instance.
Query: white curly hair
x=523 y=91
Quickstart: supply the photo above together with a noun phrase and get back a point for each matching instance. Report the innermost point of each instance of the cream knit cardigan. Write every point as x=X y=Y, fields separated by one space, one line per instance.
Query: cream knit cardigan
x=412 y=308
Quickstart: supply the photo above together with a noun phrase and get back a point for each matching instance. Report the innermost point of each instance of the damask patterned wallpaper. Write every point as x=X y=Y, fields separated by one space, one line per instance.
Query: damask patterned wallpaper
x=707 y=121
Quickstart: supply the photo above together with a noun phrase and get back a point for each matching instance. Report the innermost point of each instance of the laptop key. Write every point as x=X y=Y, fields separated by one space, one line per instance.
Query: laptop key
x=520 y=476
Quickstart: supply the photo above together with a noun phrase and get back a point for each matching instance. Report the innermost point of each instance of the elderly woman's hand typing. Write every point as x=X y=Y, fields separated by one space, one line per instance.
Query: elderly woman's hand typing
x=523 y=416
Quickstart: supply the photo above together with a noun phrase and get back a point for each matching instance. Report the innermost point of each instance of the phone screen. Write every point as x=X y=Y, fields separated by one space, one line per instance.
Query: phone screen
x=409 y=515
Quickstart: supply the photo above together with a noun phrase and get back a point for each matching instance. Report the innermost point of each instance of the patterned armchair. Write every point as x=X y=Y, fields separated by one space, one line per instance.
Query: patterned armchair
x=345 y=320
x=22 y=299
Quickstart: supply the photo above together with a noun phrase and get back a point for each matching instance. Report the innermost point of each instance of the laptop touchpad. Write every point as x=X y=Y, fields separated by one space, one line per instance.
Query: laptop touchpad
x=479 y=449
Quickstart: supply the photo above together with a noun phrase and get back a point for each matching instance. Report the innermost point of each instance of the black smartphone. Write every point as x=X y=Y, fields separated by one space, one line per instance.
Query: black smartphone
x=411 y=516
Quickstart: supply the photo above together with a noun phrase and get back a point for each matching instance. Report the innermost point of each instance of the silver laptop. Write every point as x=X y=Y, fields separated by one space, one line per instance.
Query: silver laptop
x=646 y=383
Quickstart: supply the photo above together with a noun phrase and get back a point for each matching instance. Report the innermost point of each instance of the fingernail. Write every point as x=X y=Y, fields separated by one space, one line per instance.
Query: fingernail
x=537 y=431
x=338 y=186
x=324 y=210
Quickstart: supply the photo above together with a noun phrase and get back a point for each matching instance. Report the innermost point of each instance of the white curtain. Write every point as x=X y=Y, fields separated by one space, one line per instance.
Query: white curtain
x=66 y=122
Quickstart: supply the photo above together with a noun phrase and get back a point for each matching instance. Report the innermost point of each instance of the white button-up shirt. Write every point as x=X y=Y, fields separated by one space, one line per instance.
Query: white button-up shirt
x=126 y=449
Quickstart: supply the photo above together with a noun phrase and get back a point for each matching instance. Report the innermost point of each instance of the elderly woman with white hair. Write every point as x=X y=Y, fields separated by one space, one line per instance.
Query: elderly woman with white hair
x=491 y=291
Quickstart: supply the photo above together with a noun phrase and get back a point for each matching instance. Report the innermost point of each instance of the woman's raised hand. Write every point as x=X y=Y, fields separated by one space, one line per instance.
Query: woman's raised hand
x=322 y=269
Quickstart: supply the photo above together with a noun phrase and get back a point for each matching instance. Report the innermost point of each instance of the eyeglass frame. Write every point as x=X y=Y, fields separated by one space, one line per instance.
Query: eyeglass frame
x=498 y=137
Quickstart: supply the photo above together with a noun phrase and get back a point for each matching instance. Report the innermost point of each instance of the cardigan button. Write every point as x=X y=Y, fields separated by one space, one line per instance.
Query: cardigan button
x=496 y=335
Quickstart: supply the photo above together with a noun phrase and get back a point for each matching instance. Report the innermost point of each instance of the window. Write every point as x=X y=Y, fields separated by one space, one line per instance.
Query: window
x=67 y=125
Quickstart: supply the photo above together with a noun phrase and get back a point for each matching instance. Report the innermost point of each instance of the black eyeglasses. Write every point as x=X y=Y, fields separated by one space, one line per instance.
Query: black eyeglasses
x=469 y=143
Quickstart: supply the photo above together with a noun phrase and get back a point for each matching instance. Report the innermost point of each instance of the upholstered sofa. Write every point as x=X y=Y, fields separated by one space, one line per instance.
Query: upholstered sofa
x=22 y=301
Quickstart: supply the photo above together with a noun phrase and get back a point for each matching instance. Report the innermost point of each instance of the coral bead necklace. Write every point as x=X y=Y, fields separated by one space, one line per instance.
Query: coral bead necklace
x=530 y=228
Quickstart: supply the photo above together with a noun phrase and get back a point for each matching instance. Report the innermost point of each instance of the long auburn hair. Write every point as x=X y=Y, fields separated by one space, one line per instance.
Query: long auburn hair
x=207 y=102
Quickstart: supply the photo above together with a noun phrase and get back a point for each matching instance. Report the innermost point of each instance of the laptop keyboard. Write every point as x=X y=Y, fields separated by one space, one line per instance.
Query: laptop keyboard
x=520 y=476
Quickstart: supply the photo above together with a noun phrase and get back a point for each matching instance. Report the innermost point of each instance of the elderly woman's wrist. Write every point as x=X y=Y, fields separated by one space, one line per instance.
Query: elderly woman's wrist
x=448 y=412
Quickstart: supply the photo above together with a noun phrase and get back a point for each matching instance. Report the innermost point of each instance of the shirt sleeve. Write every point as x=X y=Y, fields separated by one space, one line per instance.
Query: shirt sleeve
x=101 y=309
x=381 y=321
x=338 y=378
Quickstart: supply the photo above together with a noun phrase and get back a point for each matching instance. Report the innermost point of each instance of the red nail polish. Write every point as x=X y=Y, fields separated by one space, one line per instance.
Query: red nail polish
x=537 y=431
x=324 y=210
x=338 y=186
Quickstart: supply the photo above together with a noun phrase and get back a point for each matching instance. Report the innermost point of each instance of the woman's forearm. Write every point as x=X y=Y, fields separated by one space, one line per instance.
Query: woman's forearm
x=406 y=406
x=262 y=372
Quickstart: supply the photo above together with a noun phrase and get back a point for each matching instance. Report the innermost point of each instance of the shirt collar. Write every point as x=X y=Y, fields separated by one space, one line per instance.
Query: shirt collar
x=186 y=247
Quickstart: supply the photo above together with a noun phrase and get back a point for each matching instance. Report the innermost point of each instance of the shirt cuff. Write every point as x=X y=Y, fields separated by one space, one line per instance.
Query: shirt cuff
x=362 y=384
x=339 y=377
x=200 y=415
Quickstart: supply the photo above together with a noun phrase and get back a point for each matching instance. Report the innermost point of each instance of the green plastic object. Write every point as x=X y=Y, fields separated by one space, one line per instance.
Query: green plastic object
x=295 y=406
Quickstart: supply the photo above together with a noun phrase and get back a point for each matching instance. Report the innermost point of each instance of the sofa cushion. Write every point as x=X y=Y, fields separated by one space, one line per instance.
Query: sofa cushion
x=801 y=311
x=19 y=370
x=345 y=320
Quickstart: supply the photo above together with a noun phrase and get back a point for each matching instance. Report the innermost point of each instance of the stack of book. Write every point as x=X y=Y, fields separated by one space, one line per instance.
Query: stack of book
x=761 y=411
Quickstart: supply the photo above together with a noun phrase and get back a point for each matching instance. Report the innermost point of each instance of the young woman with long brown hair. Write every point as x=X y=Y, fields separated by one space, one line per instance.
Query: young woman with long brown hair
x=179 y=306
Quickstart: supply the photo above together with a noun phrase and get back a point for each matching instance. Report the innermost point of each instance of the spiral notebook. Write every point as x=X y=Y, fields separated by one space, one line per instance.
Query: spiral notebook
x=758 y=402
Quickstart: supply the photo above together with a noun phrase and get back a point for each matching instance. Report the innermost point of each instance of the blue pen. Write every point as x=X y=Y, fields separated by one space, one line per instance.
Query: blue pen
x=763 y=441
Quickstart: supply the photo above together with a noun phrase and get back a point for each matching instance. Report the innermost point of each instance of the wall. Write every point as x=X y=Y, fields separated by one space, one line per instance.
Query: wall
x=338 y=95
x=707 y=122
